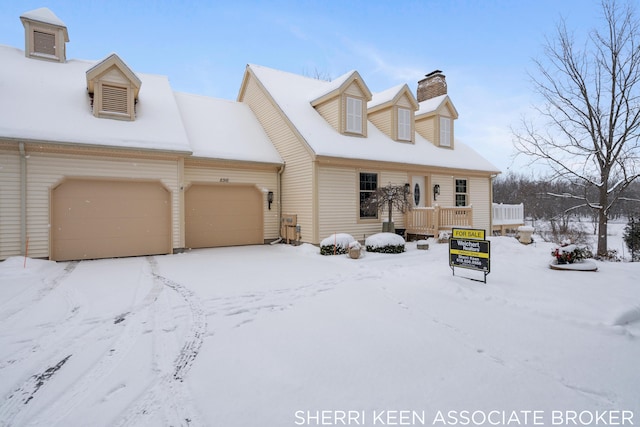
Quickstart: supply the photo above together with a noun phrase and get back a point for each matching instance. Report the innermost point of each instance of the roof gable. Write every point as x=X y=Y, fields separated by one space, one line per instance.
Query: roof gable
x=107 y=65
x=437 y=105
x=339 y=86
x=391 y=97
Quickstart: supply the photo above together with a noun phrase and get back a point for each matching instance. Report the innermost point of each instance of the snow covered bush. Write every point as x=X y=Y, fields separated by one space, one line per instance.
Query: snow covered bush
x=444 y=236
x=568 y=253
x=385 y=243
x=336 y=244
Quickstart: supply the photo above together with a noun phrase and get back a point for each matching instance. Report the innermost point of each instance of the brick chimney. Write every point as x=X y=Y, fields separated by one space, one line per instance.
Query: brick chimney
x=434 y=84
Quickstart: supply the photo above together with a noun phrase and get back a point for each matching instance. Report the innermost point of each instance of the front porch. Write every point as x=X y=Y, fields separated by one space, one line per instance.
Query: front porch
x=430 y=221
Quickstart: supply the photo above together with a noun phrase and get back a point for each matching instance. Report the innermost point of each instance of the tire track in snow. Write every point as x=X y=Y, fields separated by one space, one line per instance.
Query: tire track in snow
x=17 y=399
x=133 y=326
x=168 y=396
x=17 y=307
x=58 y=329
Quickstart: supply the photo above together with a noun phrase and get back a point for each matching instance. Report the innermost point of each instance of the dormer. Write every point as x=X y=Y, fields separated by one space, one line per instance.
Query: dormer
x=113 y=89
x=392 y=111
x=45 y=35
x=343 y=104
x=436 y=115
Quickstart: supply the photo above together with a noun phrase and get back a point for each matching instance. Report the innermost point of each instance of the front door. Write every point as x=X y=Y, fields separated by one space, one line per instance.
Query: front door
x=418 y=191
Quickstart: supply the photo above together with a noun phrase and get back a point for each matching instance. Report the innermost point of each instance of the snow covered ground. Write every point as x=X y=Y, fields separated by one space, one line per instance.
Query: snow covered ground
x=281 y=336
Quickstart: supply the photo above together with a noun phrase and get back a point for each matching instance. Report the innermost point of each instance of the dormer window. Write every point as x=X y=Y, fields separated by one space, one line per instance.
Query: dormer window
x=113 y=89
x=44 y=43
x=445 y=132
x=45 y=35
x=354 y=115
x=114 y=100
x=404 y=124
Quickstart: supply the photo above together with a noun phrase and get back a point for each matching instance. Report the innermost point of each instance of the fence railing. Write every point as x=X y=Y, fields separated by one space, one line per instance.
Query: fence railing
x=506 y=217
x=429 y=221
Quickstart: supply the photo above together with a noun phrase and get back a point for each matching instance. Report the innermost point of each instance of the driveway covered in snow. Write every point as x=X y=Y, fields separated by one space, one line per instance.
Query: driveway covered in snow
x=281 y=336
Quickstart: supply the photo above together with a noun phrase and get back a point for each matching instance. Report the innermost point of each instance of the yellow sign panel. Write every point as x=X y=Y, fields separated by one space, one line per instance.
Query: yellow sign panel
x=467 y=233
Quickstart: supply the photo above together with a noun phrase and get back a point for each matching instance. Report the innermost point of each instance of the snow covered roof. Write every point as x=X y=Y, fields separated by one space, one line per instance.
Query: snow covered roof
x=235 y=134
x=390 y=96
x=328 y=89
x=46 y=16
x=48 y=102
x=432 y=104
x=294 y=93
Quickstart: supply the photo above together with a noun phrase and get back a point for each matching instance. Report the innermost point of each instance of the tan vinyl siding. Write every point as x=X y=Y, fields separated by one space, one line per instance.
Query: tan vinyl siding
x=298 y=175
x=404 y=102
x=426 y=128
x=446 y=197
x=338 y=196
x=10 y=244
x=480 y=199
x=114 y=75
x=382 y=120
x=263 y=180
x=354 y=90
x=47 y=170
x=330 y=111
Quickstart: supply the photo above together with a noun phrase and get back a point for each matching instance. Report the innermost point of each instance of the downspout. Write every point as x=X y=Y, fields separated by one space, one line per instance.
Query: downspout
x=23 y=199
x=279 y=190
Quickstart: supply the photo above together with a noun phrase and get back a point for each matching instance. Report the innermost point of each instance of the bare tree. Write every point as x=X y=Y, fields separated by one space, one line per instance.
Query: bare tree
x=592 y=110
x=389 y=197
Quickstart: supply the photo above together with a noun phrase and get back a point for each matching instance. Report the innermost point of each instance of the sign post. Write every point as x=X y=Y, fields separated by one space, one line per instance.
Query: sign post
x=469 y=249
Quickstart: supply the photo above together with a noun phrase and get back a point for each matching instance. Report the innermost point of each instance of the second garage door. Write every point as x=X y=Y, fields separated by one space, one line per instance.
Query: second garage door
x=223 y=215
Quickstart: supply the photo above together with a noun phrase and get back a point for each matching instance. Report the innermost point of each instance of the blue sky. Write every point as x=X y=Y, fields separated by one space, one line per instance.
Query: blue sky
x=484 y=47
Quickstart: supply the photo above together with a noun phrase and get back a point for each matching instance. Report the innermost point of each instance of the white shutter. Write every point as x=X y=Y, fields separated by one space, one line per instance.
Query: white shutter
x=354 y=115
x=445 y=132
x=404 y=124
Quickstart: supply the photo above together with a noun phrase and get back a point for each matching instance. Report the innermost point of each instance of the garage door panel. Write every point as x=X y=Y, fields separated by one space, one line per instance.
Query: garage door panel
x=103 y=219
x=223 y=215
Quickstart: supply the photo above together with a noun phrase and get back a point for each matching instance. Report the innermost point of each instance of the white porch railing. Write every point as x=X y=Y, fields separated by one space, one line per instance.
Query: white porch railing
x=507 y=217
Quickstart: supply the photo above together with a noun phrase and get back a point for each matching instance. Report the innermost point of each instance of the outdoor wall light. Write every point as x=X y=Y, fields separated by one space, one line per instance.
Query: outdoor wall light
x=270 y=198
x=436 y=191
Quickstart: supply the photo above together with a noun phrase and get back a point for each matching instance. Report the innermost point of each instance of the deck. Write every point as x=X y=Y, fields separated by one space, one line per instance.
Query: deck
x=430 y=221
x=507 y=217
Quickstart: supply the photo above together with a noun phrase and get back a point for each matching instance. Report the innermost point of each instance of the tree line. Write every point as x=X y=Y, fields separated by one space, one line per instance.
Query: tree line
x=560 y=200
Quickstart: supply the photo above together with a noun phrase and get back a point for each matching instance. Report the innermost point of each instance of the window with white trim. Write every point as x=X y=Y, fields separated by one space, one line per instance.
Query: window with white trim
x=368 y=184
x=445 y=132
x=461 y=192
x=404 y=124
x=354 y=115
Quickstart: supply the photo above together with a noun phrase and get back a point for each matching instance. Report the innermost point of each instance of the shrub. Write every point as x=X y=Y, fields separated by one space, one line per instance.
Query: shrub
x=568 y=253
x=336 y=244
x=385 y=243
x=631 y=237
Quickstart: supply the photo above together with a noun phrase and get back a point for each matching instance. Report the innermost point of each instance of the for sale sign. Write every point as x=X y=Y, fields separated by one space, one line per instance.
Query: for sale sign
x=469 y=253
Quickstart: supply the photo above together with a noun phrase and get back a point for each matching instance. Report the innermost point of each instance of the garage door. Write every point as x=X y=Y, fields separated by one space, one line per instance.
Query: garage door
x=103 y=219
x=223 y=215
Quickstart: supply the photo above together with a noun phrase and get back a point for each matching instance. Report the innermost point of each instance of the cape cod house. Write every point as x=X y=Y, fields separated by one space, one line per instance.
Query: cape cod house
x=99 y=161
x=339 y=142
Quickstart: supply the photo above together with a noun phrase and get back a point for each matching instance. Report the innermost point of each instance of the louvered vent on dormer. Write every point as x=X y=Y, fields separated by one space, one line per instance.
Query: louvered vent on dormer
x=114 y=99
x=44 y=43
